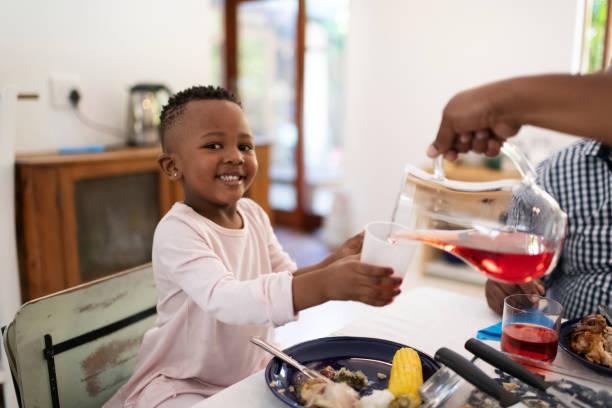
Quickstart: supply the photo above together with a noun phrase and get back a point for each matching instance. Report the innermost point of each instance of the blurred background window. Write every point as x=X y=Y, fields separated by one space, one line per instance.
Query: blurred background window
x=596 y=36
x=285 y=58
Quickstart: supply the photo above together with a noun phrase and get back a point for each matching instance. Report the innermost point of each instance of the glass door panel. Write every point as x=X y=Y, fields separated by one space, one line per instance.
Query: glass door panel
x=266 y=85
x=326 y=28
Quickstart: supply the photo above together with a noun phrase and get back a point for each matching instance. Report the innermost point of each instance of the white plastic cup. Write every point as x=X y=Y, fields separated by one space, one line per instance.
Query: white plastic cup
x=378 y=249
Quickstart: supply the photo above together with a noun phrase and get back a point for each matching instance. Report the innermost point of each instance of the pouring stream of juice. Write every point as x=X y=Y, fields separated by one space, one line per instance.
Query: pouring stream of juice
x=514 y=257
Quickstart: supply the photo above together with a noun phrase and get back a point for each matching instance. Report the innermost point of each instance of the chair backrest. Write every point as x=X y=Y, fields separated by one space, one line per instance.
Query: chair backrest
x=75 y=348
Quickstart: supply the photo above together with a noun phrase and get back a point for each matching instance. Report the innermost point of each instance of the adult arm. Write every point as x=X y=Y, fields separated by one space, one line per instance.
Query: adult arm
x=481 y=118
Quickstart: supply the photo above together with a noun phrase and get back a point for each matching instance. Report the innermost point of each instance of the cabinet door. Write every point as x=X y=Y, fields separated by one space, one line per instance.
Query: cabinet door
x=109 y=213
x=115 y=220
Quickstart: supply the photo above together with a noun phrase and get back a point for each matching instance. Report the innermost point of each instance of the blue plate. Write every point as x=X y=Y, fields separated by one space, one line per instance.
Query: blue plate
x=371 y=356
x=564 y=342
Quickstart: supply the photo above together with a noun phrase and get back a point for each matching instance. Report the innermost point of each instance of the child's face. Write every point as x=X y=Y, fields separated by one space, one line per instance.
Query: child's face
x=215 y=151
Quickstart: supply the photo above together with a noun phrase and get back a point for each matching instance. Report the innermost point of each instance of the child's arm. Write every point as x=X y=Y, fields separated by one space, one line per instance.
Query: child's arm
x=345 y=279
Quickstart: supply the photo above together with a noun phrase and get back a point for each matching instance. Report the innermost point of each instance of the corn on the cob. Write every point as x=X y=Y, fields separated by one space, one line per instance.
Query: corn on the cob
x=406 y=374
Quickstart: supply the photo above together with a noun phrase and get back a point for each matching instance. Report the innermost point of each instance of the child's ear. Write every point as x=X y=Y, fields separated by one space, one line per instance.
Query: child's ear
x=167 y=164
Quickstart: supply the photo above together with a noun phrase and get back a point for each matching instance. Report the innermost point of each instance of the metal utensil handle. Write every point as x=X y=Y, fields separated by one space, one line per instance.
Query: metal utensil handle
x=470 y=372
x=278 y=353
x=551 y=368
x=499 y=360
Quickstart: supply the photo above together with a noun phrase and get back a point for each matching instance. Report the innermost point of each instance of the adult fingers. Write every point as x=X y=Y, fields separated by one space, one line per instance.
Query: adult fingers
x=444 y=139
x=495 y=294
x=463 y=143
x=532 y=288
x=493 y=147
x=480 y=141
x=540 y=287
x=451 y=155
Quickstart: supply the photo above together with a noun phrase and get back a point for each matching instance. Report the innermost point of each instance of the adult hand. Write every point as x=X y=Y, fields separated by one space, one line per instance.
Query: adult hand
x=474 y=120
x=496 y=292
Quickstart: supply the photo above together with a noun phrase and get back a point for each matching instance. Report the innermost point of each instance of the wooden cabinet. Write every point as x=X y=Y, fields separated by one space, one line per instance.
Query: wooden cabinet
x=84 y=216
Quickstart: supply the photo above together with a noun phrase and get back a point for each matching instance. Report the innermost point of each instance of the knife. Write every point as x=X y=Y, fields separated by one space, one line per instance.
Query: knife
x=499 y=360
x=606 y=312
x=471 y=373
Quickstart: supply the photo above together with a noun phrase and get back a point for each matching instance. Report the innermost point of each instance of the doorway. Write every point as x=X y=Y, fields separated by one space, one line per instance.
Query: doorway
x=285 y=59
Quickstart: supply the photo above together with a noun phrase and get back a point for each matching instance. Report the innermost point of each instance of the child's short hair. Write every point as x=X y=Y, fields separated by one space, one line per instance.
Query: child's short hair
x=175 y=107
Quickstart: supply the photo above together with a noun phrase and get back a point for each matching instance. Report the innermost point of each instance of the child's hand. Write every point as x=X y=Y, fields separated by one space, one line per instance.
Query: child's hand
x=346 y=279
x=351 y=246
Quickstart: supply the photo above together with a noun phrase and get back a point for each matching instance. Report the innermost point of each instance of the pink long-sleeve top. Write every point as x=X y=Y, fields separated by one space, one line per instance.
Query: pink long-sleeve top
x=217 y=287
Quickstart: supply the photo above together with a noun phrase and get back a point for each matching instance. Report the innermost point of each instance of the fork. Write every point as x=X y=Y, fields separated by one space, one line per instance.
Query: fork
x=308 y=372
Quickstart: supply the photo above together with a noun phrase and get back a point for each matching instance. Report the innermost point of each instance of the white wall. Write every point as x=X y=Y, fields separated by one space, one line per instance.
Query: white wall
x=10 y=298
x=108 y=45
x=408 y=57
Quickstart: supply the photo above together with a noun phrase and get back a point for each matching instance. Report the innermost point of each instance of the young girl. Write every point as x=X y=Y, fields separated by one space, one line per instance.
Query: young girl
x=221 y=274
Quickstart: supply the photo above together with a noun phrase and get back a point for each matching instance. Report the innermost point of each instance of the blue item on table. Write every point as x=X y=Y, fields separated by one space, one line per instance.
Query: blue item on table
x=490 y=333
x=93 y=148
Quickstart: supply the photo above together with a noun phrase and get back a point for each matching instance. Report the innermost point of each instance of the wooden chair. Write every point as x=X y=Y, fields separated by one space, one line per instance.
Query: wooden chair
x=76 y=347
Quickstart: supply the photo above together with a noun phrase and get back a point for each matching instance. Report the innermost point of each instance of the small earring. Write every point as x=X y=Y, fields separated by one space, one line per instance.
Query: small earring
x=175 y=174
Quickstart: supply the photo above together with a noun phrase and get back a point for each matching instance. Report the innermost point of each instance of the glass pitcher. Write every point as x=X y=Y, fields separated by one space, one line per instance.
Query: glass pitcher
x=511 y=230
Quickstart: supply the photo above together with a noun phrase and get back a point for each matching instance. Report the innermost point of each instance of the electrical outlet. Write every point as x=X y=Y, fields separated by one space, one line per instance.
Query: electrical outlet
x=61 y=85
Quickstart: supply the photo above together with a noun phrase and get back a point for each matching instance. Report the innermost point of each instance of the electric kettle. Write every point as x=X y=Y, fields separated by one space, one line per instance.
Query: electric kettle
x=510 y=230
x=144 y=110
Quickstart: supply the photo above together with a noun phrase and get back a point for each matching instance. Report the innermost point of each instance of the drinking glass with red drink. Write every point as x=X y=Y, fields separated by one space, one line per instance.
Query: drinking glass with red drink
x=530 y=326
x=510 y=230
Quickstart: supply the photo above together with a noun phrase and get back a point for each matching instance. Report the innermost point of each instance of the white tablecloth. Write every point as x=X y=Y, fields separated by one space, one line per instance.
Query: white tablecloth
x=423 y=318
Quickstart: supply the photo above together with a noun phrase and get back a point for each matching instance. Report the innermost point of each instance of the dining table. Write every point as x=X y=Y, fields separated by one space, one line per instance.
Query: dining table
x=425 y=318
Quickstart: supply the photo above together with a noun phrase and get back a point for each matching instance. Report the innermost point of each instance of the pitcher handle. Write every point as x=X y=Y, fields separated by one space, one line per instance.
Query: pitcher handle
x=518 y=158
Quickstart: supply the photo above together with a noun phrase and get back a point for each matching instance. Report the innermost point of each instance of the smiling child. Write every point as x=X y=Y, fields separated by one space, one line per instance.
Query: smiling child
x=220 y=272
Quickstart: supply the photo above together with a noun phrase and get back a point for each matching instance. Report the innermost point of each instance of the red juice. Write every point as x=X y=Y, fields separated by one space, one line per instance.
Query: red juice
x=510 y=257
x=537 y=342
x=514 y=268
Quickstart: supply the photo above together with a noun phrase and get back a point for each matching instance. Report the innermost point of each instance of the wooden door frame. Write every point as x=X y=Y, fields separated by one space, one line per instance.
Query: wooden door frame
x=606 y=51
x=297 y=218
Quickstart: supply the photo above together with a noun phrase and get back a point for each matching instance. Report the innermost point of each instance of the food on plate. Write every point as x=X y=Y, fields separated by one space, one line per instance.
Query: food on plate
x=328 y=372
x=509 y=386
x=377 y=399
x=403 y=390
x=356 y=379
x=319 y=393
x=406 y=375
x=592 y=337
